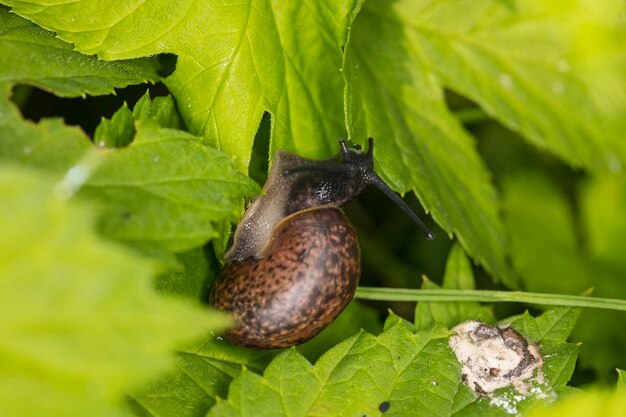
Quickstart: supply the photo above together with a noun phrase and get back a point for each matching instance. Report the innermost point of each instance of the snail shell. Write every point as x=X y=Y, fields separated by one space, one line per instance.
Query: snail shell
x=305 y=277
x=295 y=261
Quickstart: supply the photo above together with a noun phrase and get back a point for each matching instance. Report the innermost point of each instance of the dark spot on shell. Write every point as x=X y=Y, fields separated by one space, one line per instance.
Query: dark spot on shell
x=384 y=406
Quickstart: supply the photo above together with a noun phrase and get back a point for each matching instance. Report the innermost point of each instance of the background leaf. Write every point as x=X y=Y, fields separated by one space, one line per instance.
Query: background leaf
x=459 y=276
x=530 y=66
x=545 y=239
x=81 y=322
x=594 y=403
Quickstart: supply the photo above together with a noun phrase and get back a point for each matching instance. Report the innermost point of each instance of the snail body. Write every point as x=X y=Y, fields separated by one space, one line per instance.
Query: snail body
x=295 y=261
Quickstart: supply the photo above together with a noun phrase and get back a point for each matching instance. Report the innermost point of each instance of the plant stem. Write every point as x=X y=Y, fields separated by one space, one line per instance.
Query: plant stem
x=406 y=294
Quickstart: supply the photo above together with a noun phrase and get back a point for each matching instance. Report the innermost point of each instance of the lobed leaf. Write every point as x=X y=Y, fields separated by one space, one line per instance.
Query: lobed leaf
x=166 y=189
x=81 y=322
x=393 y=95
x=117 y=132
x=400 y=372
x=203 y=373
x=161 y=109
x=120 y=130
x=31 y=55
x=49 y=145
x=340 y=383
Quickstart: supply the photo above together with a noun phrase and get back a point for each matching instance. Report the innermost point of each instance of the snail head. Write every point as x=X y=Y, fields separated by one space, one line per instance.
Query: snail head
x=357 y=168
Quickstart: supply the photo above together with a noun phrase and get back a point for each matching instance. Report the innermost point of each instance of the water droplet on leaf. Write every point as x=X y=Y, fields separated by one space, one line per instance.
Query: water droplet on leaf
x=558 y=87
x=505 y=80
x=562 y=65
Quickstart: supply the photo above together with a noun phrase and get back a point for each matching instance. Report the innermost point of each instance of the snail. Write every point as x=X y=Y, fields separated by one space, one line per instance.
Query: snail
x=295 y=261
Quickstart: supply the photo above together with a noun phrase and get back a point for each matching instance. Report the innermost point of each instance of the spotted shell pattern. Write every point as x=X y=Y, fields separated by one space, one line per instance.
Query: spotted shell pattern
x=306 y=277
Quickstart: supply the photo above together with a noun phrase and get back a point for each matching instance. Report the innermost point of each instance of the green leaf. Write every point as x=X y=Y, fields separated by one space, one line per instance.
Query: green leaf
x=31 y=55
x=583 y=404
x=393 y=95
x=120 y=130
x=401 y=372
x=354 y=318
x=49 y=145
x=354 y=378
x=235 y=61
x=543 y=240
x=458 y=275
x=166 y=189
x=603 y=201
x=162 y=109
x=547 y=252
x=550 y=70
x=81 y=323
x=524 y=65
x=117 y=132
x=203 y=374
x=553 y=326
x=188 y=278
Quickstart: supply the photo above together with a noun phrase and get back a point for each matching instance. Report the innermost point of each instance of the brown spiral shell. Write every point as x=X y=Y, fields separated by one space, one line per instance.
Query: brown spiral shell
x=306 y=277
